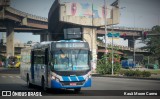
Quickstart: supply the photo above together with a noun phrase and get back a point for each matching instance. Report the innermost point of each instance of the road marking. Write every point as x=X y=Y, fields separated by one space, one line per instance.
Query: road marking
x=11 y=76
x=18 y=76
x=3 y=76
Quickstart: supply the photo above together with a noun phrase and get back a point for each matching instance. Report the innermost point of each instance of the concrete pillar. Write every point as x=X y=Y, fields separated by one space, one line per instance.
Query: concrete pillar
x=10 y=38
x=130 y=43
x=43 y=37
x=49 y=36
x=89 y=35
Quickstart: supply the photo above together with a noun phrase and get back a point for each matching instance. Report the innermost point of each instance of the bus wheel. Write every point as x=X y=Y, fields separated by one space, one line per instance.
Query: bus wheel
x=43 y=85
x=77 y=90
x=28 y=82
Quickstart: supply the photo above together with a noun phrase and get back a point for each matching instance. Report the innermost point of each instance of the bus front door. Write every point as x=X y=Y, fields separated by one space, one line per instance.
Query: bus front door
x=32 y=66
x=46 y=65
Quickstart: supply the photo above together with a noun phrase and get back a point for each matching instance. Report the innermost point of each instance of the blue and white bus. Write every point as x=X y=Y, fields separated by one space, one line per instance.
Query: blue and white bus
x=57 y=64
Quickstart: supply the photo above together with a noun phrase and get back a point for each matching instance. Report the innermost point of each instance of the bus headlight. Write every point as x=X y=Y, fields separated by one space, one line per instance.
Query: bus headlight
x=57 y=80
x=89 y=76
x=53 y=77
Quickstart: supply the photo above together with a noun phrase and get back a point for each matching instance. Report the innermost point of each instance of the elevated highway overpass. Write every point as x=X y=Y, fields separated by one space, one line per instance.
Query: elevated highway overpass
x=13 y=20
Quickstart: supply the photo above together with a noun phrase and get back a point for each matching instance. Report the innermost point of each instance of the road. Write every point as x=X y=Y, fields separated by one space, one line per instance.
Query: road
x=11 y=80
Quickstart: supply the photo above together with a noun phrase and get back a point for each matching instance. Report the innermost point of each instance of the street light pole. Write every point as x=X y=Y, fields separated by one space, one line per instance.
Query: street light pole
x=134 y=42
x=112 y=42
x=134 y=48
x=106 y=32
x=105 y=19
x=158 y=20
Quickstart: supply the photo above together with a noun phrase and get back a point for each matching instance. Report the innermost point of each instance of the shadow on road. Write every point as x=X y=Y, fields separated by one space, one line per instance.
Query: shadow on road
x=71 y=92
x=57 y=92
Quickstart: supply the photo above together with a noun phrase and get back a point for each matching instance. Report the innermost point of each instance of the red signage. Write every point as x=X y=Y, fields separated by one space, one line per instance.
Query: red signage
x=73 y=8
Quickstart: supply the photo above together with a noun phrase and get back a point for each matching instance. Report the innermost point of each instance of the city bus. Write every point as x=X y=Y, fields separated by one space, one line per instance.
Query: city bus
x=61 y=64
x=14 y=61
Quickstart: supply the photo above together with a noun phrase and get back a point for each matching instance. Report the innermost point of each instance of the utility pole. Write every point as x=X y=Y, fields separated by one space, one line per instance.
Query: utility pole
x=134 y=42
x=105 y=19
x=134 y=49
x=112 y=42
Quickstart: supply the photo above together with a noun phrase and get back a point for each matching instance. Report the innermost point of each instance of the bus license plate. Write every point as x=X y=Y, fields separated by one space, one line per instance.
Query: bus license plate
x=73 y=84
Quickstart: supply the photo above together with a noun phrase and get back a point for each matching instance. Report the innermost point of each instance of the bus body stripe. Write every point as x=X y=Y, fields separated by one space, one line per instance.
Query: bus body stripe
x=77 y=78
x=65 y=78
x=81 y=78
x=73 y=78
x=69 y=78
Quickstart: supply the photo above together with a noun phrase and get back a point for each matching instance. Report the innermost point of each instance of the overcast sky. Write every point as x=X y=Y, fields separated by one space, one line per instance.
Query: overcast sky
x=145 y=12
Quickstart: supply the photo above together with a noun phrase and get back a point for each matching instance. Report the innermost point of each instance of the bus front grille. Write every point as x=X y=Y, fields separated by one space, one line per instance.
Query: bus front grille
x=69 y=83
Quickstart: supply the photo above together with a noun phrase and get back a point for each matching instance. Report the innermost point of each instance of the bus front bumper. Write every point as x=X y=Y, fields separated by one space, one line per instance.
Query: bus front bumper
x=56 y=84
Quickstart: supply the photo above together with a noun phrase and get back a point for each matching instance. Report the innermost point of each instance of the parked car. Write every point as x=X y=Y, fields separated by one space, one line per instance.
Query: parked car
x=151 y=66
x=127 y=64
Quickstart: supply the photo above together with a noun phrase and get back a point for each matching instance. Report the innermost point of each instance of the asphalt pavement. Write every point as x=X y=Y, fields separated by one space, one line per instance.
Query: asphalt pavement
x=105 y=86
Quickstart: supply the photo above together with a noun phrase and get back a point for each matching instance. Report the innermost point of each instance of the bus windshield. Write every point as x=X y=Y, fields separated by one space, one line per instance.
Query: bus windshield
x=70 y=60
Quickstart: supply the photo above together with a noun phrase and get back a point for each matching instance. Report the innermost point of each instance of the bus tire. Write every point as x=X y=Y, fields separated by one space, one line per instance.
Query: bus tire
x=77 y=90
x=28 y=82
x=43 y=85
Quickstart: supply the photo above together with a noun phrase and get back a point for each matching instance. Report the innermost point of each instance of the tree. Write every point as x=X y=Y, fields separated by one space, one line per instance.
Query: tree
x=104 y=65
x=29 y=42
x=153 y=43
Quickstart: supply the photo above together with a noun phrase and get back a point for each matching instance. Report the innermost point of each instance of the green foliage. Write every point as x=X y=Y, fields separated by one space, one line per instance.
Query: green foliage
x=135 y=73
x=146 y=74
x=122 y=71
x=153 y=43
x=117 y=67
x=104 y=65
x=129 y=73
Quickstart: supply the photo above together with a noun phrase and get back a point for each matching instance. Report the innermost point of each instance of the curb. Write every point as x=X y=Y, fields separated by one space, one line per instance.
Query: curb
x=99 y=75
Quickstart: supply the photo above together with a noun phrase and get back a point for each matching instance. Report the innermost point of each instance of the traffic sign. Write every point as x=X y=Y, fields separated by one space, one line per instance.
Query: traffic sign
x=109 y=34
x=113 y=34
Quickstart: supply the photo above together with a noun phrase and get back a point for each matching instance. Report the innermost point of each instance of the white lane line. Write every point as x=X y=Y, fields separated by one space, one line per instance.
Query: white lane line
x=11 y=76
x=18 y=76
x=3 y=76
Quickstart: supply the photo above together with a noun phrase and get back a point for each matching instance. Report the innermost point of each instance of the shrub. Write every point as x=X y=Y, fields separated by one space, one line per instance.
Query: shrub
x=116 y=67
x=146 y=74
x=104 y=66
x=129 y=73
x=137 y=73
x=122 y=71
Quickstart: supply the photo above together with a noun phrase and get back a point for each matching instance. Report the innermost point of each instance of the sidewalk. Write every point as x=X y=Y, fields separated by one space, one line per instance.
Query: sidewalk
x=153 y=76
x=2 y=68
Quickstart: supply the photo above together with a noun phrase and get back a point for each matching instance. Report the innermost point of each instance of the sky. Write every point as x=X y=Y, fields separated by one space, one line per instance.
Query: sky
x=137 y=13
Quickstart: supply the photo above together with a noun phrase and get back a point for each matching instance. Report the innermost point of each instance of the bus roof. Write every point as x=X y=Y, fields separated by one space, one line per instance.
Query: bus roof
x=46 y=43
